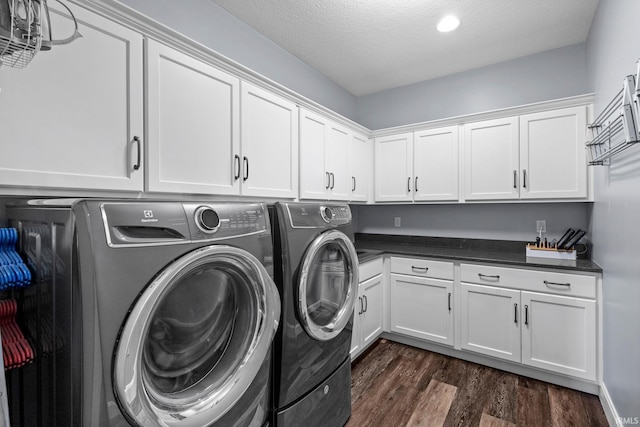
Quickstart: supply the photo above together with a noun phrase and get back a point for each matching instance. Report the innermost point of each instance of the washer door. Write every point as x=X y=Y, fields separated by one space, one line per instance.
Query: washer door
x=328 y=285
x=196 y=338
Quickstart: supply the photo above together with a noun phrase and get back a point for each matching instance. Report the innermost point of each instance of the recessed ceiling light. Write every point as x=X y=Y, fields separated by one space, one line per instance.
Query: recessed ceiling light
x=448 y=23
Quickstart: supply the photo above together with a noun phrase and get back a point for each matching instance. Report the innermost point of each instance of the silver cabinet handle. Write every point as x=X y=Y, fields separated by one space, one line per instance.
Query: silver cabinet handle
x=415 y=184
x=333 y=180
x=449 y=300
x=526 y=315
x=515 y=313
x=136 y=139
x=524 y=178
x=353 y=181
x=326 y=187
x=546 y=282
x=487 y=276
x=366 y=303
x=246 y=168
x=409 y=184
x=423 y=269
x=361 y=306
x=515 y=179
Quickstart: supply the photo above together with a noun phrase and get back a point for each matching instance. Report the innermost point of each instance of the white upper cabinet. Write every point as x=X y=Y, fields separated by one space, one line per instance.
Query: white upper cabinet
x=552 y=154
x=361 y=166
x=193 y=113
x=393 y=177
x=324 y=158
x=73 y=118
x=533 y=156
x=491 y=159
x=435 y=164
x=420 y=166
x=269 y=141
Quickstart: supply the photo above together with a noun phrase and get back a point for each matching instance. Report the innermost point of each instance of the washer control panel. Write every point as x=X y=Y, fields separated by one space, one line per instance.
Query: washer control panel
x=220 y=220
x=148 y=223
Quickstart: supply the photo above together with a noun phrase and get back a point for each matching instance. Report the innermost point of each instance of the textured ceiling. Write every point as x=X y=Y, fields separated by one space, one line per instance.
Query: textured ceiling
x=371 y=45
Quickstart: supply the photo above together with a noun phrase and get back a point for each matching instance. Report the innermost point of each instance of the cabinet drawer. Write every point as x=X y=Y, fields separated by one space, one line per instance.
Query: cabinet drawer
x=369 y=269
x=422 y=267
x=551 y=282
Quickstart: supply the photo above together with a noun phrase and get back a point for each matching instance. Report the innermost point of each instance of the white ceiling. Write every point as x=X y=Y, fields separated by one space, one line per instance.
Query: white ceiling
x=371 y=45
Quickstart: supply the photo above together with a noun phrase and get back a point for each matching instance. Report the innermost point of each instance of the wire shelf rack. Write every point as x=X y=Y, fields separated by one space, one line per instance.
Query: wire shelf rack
x=617 y=127
x=21 y=34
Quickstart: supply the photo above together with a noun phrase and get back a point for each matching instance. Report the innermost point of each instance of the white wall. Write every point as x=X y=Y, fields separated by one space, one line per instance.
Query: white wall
x=483 y=221
x=613 y=46
x=548 y=75
x=211 y=25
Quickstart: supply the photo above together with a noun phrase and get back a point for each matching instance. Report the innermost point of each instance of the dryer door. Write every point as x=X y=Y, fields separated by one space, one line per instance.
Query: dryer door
x=196 y=338
x=328 y=285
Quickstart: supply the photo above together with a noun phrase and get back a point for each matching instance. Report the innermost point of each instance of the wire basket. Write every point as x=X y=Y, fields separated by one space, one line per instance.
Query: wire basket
x=20 y=32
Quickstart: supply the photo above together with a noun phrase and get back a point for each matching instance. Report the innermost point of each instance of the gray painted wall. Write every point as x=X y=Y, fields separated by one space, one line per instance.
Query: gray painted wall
x=612 y=49
x=548 y=75
x=229 y=36
x=485 y=221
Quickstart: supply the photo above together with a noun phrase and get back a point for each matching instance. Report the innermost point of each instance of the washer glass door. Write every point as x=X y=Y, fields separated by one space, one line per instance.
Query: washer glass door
x=328 y=285
x=196 y=338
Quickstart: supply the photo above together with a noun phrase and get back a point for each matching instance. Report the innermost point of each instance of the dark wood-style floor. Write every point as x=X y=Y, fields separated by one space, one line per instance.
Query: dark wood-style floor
x=397 y=385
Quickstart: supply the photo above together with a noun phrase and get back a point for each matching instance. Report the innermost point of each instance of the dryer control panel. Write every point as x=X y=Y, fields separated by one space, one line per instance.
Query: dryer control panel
x=313 y=215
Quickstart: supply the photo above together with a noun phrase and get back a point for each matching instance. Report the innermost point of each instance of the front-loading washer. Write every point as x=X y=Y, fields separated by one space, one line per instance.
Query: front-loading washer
x=317 y=276
x=173 y=308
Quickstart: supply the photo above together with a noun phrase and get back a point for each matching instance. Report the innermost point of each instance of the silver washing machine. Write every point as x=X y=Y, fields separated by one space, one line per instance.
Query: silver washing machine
x=170 y=309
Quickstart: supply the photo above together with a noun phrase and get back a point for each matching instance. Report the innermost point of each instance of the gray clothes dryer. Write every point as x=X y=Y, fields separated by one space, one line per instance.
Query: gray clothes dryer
x=175 y=309
x=317 y=276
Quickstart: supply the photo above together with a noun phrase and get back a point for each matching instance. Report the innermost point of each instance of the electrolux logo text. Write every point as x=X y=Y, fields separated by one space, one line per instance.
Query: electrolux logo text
x=148 y=216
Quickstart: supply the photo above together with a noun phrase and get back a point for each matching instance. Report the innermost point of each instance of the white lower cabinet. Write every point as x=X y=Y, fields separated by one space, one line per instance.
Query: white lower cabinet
x=367 y=317
x=559 y=334
x=490 y=321
x=542 y=319
x=421 y=299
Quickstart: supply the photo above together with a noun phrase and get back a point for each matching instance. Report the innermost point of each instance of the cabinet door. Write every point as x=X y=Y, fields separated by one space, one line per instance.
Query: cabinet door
x=559 y=334
x=490 y=321
x=314 y=177
x=193 y=141
x=269 y=144
x=422 y=308
x=337 y=161
x=361 y=165
x=491 y=160
x=435 y=164
x=371 y=325
x=73 y=117
x=552 y=154
x=393 y=168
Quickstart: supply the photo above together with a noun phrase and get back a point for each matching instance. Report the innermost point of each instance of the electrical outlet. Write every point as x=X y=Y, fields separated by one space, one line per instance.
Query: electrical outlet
x=397 y=221
x=541 y=226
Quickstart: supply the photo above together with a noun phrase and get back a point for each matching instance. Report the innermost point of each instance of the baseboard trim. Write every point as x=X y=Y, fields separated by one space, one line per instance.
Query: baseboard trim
x=608 y=407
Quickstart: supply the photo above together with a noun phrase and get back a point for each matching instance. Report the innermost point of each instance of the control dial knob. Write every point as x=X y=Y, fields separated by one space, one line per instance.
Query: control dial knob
x=327 y=214
x=207 y=219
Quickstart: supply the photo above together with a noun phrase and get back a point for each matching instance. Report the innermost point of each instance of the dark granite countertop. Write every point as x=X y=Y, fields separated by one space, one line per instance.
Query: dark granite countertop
x=456 y=249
